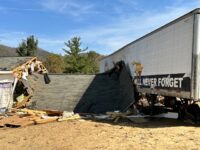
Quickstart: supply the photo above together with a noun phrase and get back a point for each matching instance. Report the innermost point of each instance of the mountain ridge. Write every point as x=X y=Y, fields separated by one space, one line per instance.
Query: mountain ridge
x=7 y=51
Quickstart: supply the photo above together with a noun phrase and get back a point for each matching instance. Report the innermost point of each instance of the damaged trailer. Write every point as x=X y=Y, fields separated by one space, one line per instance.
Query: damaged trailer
x=165 y=65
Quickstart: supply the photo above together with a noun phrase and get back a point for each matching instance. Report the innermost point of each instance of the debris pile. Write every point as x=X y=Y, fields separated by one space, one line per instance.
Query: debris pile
x=17 y=93
x=24 y=117
x=15 y=97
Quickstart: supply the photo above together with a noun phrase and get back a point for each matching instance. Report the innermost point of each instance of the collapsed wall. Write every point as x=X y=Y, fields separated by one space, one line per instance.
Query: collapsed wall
x=83 y=93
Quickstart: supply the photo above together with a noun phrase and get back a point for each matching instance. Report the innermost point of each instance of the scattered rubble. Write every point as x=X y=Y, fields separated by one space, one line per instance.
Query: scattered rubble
x=25 y=117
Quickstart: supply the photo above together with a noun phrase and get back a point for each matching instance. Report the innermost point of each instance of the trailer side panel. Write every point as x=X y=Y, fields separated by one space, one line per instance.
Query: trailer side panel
x=161 y=62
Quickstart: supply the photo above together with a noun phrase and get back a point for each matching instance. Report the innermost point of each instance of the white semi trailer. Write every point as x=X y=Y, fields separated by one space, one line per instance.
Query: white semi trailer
x=166 y=61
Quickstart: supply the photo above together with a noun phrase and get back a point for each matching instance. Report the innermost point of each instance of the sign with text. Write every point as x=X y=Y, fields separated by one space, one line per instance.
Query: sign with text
x=166 y=81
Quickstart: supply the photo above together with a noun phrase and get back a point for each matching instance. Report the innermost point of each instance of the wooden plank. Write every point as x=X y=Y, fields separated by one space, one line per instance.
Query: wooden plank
x=17 y=121
x=51 y=112
x=9 y=119
x=70 y=118
x=47 y=120
x=20 y=123
x=23 y=102
x=2 y=125
x=29 y=111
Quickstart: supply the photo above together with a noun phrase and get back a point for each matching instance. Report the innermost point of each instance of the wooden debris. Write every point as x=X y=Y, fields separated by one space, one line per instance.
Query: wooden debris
x=50 y=112
x=47 y=120
x=30 y=111
x=1 y=117
x=76 y=116
x=15 y=121
x=24 y=117
x=20 y=123
x=1 y=122
x=23 y=102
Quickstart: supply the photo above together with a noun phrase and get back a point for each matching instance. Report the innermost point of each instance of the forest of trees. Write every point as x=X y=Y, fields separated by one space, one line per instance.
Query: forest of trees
x=76 y=60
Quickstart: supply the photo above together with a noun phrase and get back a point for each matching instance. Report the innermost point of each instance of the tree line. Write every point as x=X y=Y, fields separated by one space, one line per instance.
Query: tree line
x=76 y=59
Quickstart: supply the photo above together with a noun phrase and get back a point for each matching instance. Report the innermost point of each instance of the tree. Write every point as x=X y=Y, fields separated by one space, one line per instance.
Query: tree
x=21 y=50
x=28 y=47
x=91 y=62
x=78 y=61
x=74 y=47
x=55 y=63
x=93 y=59
x=75 y=62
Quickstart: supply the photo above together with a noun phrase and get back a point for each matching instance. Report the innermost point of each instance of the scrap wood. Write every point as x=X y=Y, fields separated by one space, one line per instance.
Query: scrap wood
x=1 y=122
x=45 y=120
x=51 y=112
x=32 y=117
x=20 y=123
x=1 y=117
x=8 y=119
x=2 y=125
x=28 y=117
x=67 y=114
x=30 y=111
x=76 y=116
x=28 y=103
x=15 y=121
x=23 y=102
x=39 y=111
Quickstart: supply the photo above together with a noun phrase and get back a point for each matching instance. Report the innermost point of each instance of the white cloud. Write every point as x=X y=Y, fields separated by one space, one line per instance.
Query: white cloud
x=71 y=7
x=108 y=38
x=9 y=9
x=118 y=34
x=104 y=39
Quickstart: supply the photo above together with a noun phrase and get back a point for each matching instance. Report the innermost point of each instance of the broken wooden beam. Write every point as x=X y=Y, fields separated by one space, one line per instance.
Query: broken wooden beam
x=76 y=116
x=51 y=112
x=46 y=120
x=23 y=102
x=29 y=111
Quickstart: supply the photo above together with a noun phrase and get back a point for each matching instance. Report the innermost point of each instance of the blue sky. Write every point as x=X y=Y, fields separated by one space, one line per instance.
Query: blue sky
x=103 y=25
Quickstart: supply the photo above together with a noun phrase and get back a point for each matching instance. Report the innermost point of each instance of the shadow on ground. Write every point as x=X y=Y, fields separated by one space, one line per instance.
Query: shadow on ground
x=149 y=123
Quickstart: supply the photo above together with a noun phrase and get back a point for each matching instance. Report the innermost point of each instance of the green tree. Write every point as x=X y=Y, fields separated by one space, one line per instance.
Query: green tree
x=22 y=50
x=55 y=63
x=75 y=61
x=91 y=62
x=79 y=61
x=28 y=47
x=93 y=59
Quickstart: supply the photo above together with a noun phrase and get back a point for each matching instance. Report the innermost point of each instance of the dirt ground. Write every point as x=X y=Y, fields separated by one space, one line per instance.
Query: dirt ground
x=87 y=134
